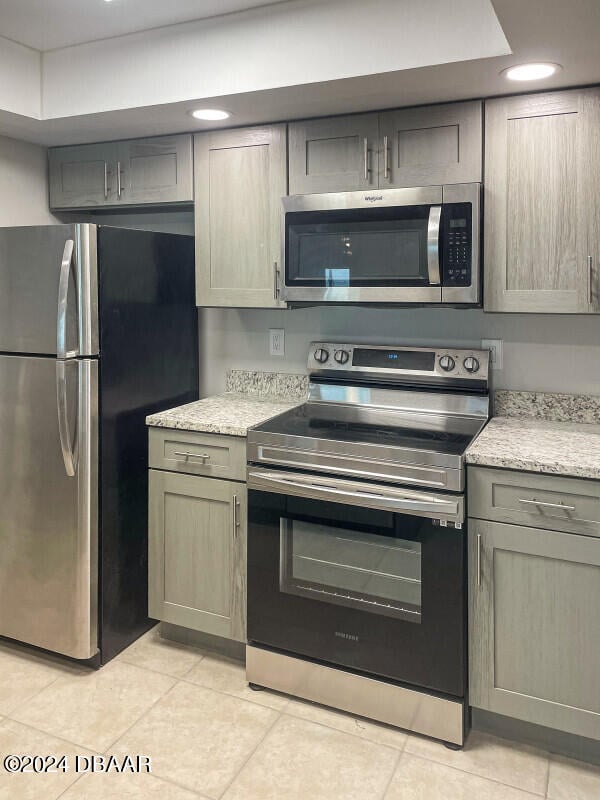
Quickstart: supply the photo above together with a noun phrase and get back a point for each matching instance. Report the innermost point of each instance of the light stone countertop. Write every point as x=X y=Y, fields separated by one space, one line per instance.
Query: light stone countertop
x=538 y=445
x=231 y=413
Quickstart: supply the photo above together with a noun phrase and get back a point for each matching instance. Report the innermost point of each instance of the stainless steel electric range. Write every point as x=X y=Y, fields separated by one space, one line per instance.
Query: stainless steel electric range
x=357 y=535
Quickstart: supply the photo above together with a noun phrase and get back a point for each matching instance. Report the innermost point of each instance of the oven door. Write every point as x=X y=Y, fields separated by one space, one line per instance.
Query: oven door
x=360 y=576
x=378 y=247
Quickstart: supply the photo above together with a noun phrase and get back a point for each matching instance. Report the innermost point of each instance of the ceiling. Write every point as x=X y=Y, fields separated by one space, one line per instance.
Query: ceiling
x=567 y=33
x=47 y=25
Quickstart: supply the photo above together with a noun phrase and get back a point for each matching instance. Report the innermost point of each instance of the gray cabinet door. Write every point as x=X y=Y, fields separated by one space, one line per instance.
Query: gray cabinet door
x=536 y=189
x=197 y=553
x=534 y=635
x=82 y=177
x=431 y=146
x=336 y=154
x=158 y=170
x=240 y=177
x=590 y=197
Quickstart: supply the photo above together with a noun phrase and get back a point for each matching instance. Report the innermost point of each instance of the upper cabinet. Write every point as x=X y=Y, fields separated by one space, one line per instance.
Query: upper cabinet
x=240 y=178
x=431 y=146
x=81 y=177
x=131 y=173
x=336 y=154
x=424 y=146
x=156 y=170
x=542 y=206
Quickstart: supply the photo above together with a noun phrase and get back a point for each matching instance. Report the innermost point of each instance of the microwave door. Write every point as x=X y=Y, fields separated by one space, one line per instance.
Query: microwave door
x=387 y=254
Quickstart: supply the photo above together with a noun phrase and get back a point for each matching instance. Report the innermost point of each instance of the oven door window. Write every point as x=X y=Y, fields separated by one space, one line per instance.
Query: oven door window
x=366 y=247
x=370 y=570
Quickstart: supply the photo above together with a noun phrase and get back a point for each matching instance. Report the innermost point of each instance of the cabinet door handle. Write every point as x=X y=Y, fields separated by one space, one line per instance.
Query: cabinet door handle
x=185 y=454
x=590 y=279
x=119 y=179
x=105 y=181
x=535 y=502
x=276 y=291
x=386 y=165
x=366 y=157
x=236 y=516
x=478 y=559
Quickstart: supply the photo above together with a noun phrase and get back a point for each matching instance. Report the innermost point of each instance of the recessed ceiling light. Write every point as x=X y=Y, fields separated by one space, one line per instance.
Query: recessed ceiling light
x=211 y=114
x=530 y=72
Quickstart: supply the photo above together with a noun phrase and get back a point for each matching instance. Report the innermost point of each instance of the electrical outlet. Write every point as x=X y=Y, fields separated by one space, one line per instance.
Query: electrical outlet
x=495 y=348
x=276 y=341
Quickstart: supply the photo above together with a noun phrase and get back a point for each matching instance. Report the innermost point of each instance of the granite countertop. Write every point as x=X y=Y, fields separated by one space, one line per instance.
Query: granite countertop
x=535 y=438
x=231 y=413
x=251 y=398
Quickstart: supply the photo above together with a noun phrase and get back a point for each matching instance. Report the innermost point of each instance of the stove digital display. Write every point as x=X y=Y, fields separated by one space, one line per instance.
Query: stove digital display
x=394 y=359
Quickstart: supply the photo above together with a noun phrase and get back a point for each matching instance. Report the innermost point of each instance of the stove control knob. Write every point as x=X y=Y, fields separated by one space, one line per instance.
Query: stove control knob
x=341 y=356
x=447 y=363
x=321 y=355
x=471 y=364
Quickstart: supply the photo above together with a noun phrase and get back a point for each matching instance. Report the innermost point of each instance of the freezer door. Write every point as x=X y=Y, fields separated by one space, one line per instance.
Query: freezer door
x=49 y=290
x=49 y=503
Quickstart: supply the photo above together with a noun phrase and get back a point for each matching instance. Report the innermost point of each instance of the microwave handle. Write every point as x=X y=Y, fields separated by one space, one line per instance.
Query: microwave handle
x=433 y=245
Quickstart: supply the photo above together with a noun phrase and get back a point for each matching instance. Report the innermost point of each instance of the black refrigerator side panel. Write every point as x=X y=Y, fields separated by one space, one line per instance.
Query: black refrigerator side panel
x=148 y=362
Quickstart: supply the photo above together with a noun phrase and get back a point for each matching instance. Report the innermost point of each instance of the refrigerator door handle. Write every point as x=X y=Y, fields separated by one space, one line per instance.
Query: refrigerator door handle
x=63 y=299
x=69 y=452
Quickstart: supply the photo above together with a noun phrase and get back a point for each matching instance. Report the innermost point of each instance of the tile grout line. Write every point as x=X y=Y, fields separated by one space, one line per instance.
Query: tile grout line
x=29 y=699
x=159 y=672
x=475 y=774
x=254 y=750
x=394 y=770
x=229 y=694
x=140 y=718
x=548 y=776
x=53 y=736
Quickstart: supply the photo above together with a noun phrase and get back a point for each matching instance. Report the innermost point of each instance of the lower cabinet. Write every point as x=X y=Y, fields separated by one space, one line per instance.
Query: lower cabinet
x=534 y=598
x=197 y=553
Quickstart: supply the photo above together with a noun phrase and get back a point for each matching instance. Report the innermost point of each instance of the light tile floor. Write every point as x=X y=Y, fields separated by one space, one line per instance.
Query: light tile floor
x=211 y=737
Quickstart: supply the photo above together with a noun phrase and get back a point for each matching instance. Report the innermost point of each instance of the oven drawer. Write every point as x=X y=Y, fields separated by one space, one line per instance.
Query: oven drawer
x=538 y=501
x=208 y=454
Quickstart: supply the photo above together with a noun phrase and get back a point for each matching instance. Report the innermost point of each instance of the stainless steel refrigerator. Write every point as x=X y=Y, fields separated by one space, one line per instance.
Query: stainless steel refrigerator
x=98 y=328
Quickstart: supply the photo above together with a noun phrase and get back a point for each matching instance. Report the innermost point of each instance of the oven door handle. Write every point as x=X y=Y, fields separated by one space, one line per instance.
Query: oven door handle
x=361 y=494
x=433 y=245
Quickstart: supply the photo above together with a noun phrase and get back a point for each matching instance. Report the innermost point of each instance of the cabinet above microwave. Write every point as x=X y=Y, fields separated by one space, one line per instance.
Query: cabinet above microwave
x=422 y=146
x=391 y=246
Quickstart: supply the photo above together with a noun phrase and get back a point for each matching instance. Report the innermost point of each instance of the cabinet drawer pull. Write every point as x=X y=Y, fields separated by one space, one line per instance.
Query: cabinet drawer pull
x=540 y=503
x=386 y=166
x=276 y=289
x=186 y=454
x=236 y=515
x=105 y=181
x=478 y=559
x=366 y=157
x=590 y=279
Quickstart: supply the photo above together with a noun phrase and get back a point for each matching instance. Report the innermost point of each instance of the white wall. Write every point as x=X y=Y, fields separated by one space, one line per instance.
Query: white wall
x=20 y=79
x=293 y=43
x=23 y=184
x=545 y=353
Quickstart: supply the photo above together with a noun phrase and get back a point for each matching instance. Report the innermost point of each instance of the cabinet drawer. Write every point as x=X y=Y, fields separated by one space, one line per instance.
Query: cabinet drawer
x=206 y=454
x=539 y=501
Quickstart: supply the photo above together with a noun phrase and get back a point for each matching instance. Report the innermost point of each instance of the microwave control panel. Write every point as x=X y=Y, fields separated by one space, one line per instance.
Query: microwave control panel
x=457 y=244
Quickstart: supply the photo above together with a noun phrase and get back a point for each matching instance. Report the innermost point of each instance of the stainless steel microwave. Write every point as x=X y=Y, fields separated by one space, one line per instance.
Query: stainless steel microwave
x=383 y=246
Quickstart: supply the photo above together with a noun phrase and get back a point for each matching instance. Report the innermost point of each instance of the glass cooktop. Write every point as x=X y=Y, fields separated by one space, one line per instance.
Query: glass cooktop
x=308 y=423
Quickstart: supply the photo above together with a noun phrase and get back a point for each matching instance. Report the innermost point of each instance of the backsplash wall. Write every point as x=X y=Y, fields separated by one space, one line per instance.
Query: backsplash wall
x=541 y=352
